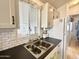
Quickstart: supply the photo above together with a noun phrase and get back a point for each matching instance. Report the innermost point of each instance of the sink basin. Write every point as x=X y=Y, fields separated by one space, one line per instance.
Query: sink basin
x=34 y=49
x=42 y=44
x=39 y=47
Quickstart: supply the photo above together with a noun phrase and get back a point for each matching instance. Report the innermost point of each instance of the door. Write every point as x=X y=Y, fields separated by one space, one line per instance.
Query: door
x=7 y=13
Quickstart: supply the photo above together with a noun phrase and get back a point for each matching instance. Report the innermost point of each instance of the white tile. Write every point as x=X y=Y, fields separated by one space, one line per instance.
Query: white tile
x=8 y=39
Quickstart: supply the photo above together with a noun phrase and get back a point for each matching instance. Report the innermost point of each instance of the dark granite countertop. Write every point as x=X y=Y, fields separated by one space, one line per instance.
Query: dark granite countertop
x=19 y=52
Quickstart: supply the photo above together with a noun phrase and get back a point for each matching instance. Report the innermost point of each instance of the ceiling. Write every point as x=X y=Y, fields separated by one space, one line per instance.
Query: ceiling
x=56 y=3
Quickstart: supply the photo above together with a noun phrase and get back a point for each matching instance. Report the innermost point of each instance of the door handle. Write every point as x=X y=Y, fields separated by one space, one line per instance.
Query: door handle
x=13 y=20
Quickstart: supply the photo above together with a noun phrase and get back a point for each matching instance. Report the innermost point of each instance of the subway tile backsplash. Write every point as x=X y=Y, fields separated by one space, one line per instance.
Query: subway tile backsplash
x=8 y=39
x=7 y=36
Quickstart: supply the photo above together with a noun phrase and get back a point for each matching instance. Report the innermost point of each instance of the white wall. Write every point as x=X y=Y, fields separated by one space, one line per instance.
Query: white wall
x=63 y=11
x=57 y=30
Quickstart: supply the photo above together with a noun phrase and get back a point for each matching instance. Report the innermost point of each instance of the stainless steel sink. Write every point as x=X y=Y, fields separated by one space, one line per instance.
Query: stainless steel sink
x=42 y=44
x=39 y=47
x=33 y=49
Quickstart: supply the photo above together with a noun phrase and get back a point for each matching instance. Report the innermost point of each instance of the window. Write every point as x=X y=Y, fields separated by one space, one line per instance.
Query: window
x=23 y=18
x=29 y=16
x=33 y=19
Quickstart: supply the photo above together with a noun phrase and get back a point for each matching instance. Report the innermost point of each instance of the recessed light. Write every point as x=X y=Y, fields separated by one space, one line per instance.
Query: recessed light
x=51 y=9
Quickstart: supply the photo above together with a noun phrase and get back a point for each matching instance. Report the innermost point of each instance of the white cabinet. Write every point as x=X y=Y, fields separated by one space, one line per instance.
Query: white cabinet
x=8 y=13
x=47 y=16
x=56 y=14
x=49 y=13
x=52 y=54
x=55 y=53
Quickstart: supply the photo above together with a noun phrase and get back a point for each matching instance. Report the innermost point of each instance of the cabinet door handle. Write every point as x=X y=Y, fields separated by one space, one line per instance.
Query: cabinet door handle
x=30 y=29
x=13 y=20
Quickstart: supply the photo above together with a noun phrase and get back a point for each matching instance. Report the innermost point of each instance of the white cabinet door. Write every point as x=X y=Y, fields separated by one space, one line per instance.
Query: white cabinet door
x=55 y=53
x=52 y=54
x=7 y=14
x=47 y=16
x=44 y=17
x=50 y=16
